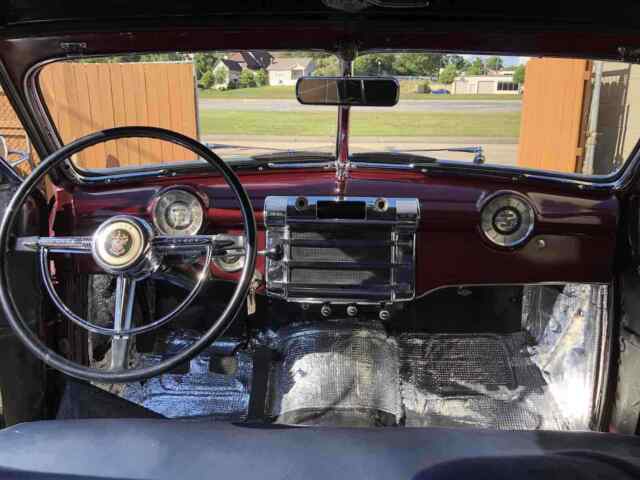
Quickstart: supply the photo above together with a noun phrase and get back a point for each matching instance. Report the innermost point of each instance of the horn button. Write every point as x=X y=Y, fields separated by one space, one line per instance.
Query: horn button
x=120 y=244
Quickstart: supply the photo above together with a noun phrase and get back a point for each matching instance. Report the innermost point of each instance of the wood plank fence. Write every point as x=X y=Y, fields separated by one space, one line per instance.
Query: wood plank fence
x=13 y=137
x=552 y=124
x=86 y=97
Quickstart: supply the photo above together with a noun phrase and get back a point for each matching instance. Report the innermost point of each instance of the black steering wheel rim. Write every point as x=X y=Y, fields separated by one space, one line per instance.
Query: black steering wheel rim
x=236 y=303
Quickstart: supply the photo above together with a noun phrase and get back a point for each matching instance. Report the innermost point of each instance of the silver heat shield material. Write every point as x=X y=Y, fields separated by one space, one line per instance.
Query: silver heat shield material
x=541 y=378
x=340 y=370
x=475 y=380
x=199 y=392
x=567 y=327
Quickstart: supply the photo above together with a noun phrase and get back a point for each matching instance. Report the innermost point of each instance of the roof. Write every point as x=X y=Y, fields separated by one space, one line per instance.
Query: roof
x=497 y=78
x=231 y=64
x=251 y=59
x=288 y=63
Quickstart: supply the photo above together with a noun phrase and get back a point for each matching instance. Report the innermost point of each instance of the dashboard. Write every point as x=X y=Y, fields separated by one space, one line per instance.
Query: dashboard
x=437 y=230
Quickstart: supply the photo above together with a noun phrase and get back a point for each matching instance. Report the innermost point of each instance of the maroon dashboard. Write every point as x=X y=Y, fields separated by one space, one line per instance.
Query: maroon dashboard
x=571 y=240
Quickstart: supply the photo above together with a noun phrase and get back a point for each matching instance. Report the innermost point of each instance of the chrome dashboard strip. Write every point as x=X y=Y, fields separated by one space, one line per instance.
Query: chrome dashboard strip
x=395 y=218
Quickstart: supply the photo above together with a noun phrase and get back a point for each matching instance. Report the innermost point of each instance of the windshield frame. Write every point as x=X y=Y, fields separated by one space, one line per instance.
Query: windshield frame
x=617 y=180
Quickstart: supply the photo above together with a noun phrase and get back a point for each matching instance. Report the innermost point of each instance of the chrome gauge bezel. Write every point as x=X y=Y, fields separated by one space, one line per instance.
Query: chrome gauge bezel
x=164 y=200
x=501 y=200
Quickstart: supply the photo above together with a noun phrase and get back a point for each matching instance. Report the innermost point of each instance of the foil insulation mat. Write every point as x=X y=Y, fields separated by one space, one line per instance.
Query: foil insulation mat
x=485 y=381
x=335 y=372
x=348 y=373
x=199 y=392
x=542 y=377
x=566 y=329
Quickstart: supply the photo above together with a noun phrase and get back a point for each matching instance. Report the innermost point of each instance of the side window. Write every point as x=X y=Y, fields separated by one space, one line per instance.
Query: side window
x=15 y=146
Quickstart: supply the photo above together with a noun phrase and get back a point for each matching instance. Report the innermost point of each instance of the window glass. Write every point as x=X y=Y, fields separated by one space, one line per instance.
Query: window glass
x=240 y=103
x=15 y=146
x=573 y=116
x=564 y=115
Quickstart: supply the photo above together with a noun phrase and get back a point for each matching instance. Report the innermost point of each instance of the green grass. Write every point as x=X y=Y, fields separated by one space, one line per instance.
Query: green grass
x=407 y=92
x=415 y=124
x=277 y=92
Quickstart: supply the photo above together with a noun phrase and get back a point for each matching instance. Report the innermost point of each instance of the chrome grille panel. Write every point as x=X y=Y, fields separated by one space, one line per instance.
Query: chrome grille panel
x=366 y=258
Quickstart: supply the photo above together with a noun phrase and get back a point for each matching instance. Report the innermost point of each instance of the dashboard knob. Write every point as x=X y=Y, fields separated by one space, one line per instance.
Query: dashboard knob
x=325 y=311
x=352 y=310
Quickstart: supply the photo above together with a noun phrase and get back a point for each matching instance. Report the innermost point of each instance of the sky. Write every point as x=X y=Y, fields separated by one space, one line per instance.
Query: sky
x=507 y=61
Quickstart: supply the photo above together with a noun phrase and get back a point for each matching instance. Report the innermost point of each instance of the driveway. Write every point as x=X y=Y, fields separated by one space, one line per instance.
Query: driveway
x=501 y=151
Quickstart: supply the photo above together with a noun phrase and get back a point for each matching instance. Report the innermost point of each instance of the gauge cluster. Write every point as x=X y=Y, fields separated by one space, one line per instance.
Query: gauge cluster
x=177 y=212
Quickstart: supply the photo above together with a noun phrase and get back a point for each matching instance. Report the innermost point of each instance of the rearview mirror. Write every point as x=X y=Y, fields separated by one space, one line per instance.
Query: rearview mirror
x=354 y=91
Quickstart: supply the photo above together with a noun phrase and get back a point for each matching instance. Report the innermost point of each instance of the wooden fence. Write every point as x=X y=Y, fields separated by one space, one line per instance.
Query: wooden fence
x=552 y=125
x=86 y=97
x=14 y=138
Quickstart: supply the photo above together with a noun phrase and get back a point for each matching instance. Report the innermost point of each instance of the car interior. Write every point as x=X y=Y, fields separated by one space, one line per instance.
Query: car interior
x=319 y=239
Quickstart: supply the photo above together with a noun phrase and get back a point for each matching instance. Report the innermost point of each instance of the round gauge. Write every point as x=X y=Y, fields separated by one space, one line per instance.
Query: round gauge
x=178 y=212
x=507 y=220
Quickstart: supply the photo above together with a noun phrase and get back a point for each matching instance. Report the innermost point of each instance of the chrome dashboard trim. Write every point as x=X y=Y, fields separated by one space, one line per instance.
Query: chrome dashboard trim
x=300 y=165
x=400 y=215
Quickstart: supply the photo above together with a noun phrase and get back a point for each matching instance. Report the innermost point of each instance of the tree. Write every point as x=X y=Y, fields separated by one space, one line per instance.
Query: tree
x=262 y=78
x=476 y=67
x=204 y=62
x=518 y=75
x=247 y=79
x=457 y=60
x=418 y=64
x=208 y=80
x=220 y=76
x=374 y=64
x=448 y=74
x=326 y=66
x=494 y=63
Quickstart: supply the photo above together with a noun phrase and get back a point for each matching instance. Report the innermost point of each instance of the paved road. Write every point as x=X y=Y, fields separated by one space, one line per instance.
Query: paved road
x=502 y=151
x=274 y=105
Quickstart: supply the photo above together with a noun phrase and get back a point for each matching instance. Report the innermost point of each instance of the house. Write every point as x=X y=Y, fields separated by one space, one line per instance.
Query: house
x=231 y=66
x=496 y=83
x=287 y=70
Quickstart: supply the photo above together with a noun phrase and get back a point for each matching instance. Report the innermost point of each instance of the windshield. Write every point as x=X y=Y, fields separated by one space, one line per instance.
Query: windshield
x=562 y=115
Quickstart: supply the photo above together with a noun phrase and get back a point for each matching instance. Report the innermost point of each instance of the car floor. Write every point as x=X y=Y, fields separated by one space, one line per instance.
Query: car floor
x=348 y=373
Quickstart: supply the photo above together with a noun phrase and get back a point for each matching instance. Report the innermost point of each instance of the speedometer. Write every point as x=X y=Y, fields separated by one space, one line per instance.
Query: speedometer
x=178 y=212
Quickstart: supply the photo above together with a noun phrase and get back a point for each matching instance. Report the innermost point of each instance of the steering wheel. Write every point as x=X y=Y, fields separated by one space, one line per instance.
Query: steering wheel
x=124 y=246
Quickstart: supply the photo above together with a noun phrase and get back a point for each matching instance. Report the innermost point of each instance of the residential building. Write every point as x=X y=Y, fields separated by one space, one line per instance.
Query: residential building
x=281 y=70
x=287 y=70
x=496 y=83
x=234 y=63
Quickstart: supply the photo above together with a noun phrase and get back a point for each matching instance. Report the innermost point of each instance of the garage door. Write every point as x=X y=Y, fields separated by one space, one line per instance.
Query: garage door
x=486 y=87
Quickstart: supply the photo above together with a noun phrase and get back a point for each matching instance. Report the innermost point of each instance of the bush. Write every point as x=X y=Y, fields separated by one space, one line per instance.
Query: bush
x=207 y=80
x=448 y=74
x=518 y=75
x=262 y=78
x=423 y=87
x=220 y=76
x=247 y=79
